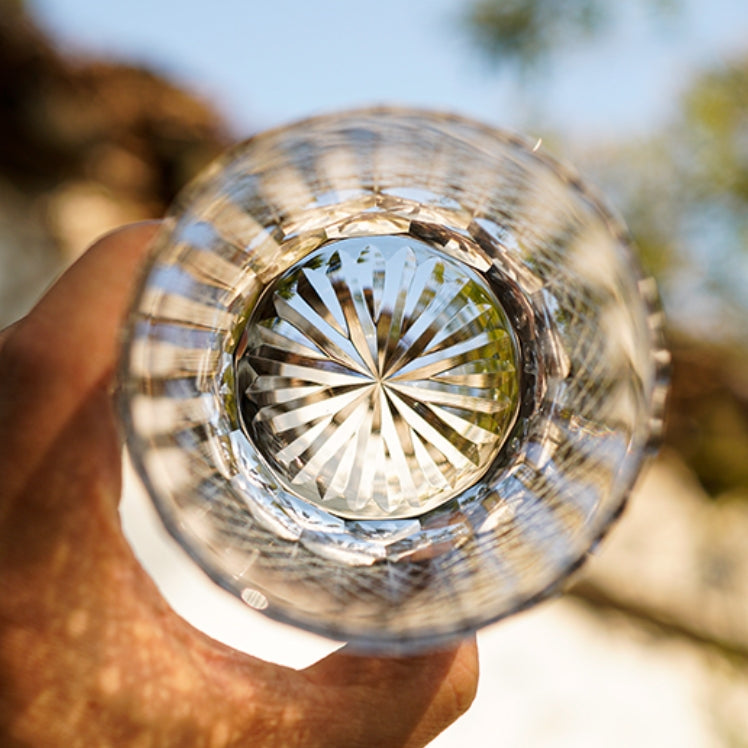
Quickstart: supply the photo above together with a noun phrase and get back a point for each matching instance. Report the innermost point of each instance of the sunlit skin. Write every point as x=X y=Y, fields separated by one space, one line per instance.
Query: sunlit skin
x=90 y=654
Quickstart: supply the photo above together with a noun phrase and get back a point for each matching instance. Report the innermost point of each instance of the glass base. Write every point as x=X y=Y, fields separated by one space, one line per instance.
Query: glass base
x=378 y=377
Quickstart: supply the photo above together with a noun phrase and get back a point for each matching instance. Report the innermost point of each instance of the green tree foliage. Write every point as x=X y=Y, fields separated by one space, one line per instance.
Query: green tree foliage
x=526 y=32
x=684 y=192
x=716 y=118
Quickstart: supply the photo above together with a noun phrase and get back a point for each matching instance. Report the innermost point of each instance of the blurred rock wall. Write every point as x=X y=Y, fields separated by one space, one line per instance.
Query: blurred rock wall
x=85 y=145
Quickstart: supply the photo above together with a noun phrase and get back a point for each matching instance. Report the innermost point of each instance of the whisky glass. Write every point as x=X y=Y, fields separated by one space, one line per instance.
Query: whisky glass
x=390 y=375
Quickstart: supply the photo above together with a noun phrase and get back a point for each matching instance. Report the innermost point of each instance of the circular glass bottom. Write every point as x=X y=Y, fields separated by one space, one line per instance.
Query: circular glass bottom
x=378 y=377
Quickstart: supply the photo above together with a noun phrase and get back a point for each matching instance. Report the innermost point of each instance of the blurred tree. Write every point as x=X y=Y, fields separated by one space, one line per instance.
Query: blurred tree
x=684 y=192
x=526 y=32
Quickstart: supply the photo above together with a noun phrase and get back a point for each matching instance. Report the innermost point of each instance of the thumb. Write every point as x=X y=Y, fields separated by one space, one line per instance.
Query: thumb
x=395 y=701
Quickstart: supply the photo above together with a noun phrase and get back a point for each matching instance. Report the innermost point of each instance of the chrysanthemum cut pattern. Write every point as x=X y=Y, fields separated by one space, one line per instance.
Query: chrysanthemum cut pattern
x=380 y=377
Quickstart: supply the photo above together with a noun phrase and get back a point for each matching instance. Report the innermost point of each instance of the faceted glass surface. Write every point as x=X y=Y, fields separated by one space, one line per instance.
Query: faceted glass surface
x=390 y=375
x=378 y=377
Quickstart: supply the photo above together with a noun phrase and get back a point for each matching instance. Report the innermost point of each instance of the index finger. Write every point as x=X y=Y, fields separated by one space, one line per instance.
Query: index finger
x=52 y=359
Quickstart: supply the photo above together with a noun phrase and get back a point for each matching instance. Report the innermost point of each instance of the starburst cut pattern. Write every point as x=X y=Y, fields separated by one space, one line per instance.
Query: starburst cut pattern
x=379 y=377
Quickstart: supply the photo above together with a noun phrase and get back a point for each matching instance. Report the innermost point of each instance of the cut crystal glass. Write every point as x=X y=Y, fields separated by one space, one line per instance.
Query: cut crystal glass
x=378 y=377
x=390 y=375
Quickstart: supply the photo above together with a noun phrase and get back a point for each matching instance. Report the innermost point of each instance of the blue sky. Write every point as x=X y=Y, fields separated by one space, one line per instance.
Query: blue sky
x=266 y=63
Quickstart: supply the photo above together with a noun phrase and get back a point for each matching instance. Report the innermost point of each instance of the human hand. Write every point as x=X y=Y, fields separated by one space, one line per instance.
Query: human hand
x=90 y=654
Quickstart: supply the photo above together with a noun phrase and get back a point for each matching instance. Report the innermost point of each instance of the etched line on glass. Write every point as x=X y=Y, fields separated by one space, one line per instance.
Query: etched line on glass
x=379 y=377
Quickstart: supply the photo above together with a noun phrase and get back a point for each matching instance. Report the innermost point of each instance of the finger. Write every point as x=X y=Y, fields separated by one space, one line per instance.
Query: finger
x=74 y=328
x=69 y=340
x=395 y=701
x=65 y=348
x=6 y=332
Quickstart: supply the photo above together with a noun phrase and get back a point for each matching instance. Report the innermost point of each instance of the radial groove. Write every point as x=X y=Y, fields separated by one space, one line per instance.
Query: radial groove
x=379 y=377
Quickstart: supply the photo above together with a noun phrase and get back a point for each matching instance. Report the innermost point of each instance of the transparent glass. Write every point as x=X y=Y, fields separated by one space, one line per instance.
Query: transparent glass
x=390 y=375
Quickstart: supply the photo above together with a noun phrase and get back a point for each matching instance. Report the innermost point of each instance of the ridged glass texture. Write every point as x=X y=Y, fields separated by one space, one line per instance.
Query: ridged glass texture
x=378 y=379
x=391 y=374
